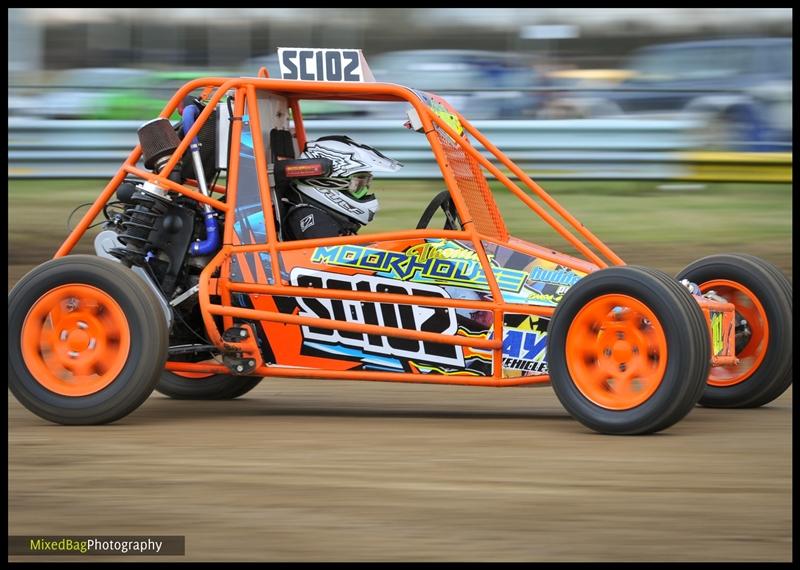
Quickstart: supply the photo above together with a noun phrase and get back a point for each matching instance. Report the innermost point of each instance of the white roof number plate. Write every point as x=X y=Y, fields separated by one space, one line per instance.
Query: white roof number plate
x=308 y=64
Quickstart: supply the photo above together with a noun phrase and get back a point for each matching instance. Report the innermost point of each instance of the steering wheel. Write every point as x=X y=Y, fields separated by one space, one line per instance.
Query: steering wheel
x=445 y=202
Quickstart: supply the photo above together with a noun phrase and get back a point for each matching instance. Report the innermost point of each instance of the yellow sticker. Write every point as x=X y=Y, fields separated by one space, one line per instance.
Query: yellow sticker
x=717 y=334
x=448 y=117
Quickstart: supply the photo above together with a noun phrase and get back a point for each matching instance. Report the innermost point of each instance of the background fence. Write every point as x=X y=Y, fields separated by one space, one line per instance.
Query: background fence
x=593 y=149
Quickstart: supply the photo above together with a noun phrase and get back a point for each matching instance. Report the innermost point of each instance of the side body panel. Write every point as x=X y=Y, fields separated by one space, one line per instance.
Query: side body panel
x=439 y=268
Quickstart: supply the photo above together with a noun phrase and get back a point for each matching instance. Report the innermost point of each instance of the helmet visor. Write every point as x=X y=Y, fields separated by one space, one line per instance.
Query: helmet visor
x=359 y=185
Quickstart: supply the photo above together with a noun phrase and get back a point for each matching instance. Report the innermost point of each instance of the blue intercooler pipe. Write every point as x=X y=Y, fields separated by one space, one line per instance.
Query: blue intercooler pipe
x=212 y=241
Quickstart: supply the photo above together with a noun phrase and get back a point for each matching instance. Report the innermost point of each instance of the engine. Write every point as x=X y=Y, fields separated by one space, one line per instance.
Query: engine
x=164 y=236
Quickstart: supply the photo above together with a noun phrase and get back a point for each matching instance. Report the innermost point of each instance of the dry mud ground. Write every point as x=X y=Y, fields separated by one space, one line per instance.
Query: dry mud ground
x=303 y=470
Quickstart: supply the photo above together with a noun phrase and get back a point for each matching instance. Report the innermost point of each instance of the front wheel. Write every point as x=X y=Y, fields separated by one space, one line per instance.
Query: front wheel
x=628 y=351
x=763 y=300
x=86 y=340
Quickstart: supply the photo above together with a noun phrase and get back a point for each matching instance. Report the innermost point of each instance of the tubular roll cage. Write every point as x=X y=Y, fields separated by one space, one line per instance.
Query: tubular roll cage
x=214 y=88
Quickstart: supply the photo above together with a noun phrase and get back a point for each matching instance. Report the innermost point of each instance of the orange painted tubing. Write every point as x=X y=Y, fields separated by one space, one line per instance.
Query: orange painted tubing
x=199 y=121
x=87 y=219
x=292 y=372
x=196 y=367
x=233 y=160
x=449 y=177
x=208 y=310
x=363 y=238
x=371 y=91
x=203 y=295
x=133 y=157
x=714 y=305
x=462 y=380
x=497 y=297
x=299 y=128
x=205 y=93
x=541 y=212
x=263 y=181
x=215 y=188
x=497 y=353
x=162 y=182
x=353 y=327
x=550 y=255
x=295 y=291
x=377 y=91
x=583 y=230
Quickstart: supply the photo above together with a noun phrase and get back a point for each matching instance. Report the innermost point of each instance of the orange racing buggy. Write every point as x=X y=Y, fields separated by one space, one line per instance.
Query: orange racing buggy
x=197 y=292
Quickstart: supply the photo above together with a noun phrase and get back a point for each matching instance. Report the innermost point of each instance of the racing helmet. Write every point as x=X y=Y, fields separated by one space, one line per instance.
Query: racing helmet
x=346 y=190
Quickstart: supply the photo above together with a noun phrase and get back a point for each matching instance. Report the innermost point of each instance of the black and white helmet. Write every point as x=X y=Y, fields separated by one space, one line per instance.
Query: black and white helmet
x=345 y=191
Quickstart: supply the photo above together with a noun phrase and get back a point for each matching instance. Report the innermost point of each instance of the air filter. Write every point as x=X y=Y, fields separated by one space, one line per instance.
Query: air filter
x=158 y=140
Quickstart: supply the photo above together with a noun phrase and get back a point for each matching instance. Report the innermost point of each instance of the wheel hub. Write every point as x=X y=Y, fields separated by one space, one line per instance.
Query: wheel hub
x=616 y=351
x=75 y=340
x=78 y=340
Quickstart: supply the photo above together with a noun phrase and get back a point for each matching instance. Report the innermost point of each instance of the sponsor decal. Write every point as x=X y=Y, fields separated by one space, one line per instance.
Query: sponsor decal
x=547 y=286
x=553 y=276
x=441 y=320
x=442 y=250
x=717 y=333
x=536 y=298
x=426 y=263
x=525 y=347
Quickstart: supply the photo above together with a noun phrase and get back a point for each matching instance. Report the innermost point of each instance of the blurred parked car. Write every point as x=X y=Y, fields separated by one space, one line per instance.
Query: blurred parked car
x=588 y=78
x=144 y=97
x=23 y=93
x=77 y=93
x=479 y=84
x=740 y=89
x=555 y=105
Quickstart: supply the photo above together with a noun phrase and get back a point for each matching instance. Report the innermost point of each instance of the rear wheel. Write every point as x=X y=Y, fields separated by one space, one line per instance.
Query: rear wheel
x=628 y=351
x=86 y=340
x=197 y=386
x=763 y=300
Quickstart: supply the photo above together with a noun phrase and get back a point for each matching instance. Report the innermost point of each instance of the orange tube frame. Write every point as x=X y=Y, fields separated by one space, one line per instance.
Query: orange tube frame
x=245 y=93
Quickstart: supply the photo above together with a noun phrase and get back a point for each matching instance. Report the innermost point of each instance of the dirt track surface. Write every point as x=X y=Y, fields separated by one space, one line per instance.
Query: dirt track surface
x=306 y=470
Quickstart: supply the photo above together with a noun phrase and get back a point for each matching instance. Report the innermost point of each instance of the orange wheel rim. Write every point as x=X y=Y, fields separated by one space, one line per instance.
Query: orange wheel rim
x=75 y=340
x=749 y=308
x=616 y=352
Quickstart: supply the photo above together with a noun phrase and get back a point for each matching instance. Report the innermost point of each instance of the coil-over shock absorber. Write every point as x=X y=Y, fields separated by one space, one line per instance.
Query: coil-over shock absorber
x=138 y=223
x=158 y=141
x=153 y=222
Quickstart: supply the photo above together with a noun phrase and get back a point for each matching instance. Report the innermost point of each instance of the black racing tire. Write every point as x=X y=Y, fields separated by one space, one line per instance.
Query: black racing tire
x=134 y=309
x=671 y=389
x=215 y=387
x=771 y=377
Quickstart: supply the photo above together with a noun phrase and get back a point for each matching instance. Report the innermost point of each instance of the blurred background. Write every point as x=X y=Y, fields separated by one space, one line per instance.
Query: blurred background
x=729 y=68
x=682 y=111
x=666 y=131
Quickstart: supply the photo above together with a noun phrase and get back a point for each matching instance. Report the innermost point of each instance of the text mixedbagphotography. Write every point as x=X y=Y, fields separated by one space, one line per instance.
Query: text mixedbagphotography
x=97 y=545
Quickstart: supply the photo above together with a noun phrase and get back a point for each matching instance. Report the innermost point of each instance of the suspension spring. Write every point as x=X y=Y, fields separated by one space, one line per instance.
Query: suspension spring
x=138 y=223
